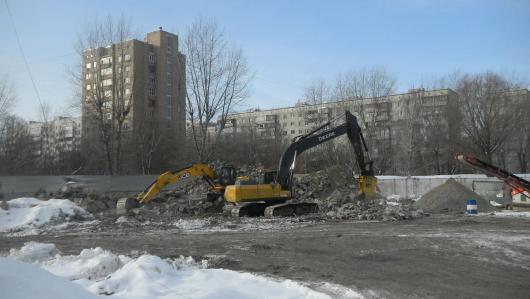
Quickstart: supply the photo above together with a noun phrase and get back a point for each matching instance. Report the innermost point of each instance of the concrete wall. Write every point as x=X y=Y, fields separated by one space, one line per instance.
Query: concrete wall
x=16 y=186
x=414 y=187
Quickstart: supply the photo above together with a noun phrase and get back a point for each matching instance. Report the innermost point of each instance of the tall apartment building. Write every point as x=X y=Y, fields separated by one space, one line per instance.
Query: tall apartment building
x=144 y=79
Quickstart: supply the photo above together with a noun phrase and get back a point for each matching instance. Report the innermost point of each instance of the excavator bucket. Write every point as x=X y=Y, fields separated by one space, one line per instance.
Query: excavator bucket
x=368 y=186
x=125 y=204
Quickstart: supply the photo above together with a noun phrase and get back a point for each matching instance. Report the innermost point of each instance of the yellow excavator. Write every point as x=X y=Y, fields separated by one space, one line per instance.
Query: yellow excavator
x=270 y=193
x=216 y=182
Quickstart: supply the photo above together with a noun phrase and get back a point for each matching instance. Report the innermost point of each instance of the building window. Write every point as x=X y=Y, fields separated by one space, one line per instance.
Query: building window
x=127 y=91
x=152 y=91
x=106 y=60
x=106 y=71
x=127 y=68
x=88 y=76
x=89 y=65
x=152 y=57
x=292 y=131
x=127 y=57
x=108 y=93
x=88 y=87
x=107 y=82
x=127 y=80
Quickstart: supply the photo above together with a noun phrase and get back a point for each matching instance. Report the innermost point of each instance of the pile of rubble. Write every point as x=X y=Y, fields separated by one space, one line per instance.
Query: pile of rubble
x=337 y=198
x=92 y=202
x=345 y=205
x=176 y=204
x=335 y=194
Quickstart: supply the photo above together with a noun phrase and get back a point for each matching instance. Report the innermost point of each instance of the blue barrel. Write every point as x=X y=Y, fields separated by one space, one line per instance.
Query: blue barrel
x=472 y=207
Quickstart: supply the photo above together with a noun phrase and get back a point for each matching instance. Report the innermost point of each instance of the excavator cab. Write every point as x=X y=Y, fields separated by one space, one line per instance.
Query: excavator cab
x=268 y=177
x=227 y=175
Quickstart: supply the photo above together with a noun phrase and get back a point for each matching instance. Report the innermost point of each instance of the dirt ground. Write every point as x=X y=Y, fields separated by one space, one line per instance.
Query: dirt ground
x=437 y=256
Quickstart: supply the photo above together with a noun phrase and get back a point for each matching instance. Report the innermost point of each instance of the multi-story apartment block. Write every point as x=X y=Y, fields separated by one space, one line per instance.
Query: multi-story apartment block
x=36 y=131
x=142 y=81
x=65 y=136
x=409 y=133
x=57 y=139
x=391 y=124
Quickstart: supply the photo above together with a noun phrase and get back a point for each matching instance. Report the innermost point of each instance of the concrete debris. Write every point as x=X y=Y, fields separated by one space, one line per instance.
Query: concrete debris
x=336 y=195
x=346 y=206
x=338 y=198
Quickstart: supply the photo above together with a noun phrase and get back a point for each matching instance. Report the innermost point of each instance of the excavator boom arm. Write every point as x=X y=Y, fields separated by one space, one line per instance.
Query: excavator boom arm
x=314 y=138
x=173 y=177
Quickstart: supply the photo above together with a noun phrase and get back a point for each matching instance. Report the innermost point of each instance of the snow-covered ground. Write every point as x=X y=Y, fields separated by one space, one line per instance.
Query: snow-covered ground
x=27 y=215
x=507 y=213
x=38 y=270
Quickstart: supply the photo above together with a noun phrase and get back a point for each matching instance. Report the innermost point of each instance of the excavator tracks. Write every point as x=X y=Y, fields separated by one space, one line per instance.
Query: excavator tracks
x=291 y=209
x=272 y=210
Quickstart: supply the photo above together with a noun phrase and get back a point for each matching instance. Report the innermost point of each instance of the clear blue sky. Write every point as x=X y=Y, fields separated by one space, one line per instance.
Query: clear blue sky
x=288 y=44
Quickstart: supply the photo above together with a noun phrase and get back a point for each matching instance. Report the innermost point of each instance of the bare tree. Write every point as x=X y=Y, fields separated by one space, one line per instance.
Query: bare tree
x=7 y=97
x=316 y=94
x=106 y=52
x=17 y=150
x=217 y=80
x=519 y=138
x=148 y=138
x=368 y=89
x=486 y=105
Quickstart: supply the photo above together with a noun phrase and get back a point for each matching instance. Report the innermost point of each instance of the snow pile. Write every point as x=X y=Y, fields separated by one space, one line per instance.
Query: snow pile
x=19 y=280
x=30 y=213
x=104 y=273
x=34 y=251
x=507 y=213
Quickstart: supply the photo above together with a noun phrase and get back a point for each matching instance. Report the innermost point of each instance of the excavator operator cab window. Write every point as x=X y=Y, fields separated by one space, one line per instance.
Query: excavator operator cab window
x=227 y=176
x=269 y=177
